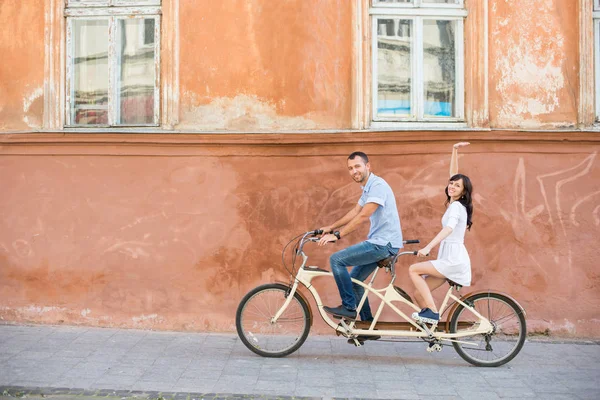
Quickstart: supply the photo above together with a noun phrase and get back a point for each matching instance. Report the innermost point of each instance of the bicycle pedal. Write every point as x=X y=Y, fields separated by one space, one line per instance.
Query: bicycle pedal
x=434 y=347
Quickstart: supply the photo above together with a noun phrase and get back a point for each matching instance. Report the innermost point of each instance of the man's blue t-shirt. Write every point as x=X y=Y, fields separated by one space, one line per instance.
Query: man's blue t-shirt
x=385 y=221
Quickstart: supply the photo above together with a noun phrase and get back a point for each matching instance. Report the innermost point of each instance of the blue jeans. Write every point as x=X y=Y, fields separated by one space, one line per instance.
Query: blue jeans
x=363 y=256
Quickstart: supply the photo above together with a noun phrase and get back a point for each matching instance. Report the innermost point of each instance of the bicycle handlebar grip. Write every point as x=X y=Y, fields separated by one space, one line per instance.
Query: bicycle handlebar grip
x=416 y=241
x=318 y=231
x=416 y=253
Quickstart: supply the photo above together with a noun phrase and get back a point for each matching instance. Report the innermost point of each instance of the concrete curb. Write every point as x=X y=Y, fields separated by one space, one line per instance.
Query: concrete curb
x=20 y=392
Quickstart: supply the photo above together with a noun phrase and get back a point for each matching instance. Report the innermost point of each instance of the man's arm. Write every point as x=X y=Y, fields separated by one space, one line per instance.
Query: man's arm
x=344 y=220
x=362 y=216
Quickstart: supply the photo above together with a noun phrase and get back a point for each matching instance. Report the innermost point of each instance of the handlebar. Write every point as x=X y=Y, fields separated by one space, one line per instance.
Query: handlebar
x=311 y=236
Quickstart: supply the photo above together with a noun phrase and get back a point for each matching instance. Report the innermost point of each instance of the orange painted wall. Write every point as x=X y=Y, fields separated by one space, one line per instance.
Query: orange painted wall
x=533 y=64
x=272 y=66
x=248 y=65
x=22 y=66
x=173 y=242
x=168 y=231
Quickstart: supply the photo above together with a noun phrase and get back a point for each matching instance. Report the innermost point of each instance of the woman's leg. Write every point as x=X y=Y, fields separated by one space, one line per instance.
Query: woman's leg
x=433 y=283
x=435 y=279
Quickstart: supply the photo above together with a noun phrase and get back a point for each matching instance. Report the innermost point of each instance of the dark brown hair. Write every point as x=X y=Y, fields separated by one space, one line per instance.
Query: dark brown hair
x=466 y=198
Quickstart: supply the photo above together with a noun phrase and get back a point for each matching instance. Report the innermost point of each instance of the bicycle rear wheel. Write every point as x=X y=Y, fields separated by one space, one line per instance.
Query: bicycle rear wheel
x=505 y=341
x=259 y=334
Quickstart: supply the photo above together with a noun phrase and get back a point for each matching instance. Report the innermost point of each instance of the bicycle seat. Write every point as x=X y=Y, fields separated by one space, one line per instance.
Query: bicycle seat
x=452 y=283
x=386 y=262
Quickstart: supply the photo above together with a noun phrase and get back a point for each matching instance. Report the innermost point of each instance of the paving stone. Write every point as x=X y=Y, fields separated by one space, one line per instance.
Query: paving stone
x=194 y=385
x=132 y=361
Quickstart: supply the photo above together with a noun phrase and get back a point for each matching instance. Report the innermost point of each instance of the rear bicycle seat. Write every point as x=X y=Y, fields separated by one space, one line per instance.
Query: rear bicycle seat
x=454 y=284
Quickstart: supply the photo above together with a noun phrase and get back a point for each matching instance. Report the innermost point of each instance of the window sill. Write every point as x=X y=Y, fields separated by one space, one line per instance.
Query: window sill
x=421 y=126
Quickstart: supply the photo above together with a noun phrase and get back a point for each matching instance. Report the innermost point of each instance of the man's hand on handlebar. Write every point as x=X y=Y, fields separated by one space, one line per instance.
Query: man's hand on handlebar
x=326 y=229
x=329 y=237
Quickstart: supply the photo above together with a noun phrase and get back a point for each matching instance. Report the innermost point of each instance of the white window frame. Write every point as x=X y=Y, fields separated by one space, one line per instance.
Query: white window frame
x=113 y=11
x=111 y=3
x=418 y=12
x=596 y=19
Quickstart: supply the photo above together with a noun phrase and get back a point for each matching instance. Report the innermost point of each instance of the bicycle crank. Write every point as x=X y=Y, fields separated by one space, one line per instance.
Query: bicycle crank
x=434 y=347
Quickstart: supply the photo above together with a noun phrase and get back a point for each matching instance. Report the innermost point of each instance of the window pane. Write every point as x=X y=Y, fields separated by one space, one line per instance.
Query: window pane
x=394 y=1
x=441 y=1
x=136 y=80
x=116 y=3
x=394 y=38
x=86 y=3
x=439 y=72
x=90 y=72
x=136 y=2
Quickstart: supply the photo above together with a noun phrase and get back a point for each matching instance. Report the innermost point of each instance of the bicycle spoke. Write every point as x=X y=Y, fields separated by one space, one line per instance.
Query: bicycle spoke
x=505 y=341
x=260 y=334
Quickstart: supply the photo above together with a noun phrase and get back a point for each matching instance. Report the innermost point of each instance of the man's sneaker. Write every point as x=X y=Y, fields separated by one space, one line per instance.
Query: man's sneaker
x=427 y=316
x=341 y=312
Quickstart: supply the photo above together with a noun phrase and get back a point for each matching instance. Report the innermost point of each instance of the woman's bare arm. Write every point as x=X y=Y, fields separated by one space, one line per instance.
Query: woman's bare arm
x=454 y=159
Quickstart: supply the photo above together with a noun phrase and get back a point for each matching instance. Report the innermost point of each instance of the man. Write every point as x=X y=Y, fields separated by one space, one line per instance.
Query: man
x=378 y=205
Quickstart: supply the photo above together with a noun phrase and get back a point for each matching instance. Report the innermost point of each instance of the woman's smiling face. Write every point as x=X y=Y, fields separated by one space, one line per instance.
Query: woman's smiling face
x=456 y=189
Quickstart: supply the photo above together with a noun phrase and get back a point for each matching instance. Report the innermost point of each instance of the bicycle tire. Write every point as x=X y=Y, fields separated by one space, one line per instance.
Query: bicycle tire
x=254 y=327
x=510 y=329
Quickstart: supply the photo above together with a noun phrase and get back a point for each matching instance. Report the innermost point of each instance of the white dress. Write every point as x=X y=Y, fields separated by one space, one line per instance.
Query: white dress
x=453 y=260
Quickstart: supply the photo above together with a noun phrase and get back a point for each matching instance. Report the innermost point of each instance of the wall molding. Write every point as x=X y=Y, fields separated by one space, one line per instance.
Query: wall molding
x=586 y=111
x=294 y=145
x=54 y=66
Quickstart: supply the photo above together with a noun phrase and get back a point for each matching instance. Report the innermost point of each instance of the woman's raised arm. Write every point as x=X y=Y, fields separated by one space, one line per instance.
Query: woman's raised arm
x=454 y=159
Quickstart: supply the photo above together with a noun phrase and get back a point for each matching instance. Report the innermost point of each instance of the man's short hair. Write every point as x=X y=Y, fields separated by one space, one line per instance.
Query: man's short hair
x=360 y=154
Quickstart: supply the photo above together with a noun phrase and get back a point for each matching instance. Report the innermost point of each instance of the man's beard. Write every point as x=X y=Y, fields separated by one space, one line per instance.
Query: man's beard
x=360 y=178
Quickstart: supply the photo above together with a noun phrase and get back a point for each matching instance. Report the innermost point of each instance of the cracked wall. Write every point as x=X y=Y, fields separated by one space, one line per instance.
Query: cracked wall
x=533 y=64
x=277 y=66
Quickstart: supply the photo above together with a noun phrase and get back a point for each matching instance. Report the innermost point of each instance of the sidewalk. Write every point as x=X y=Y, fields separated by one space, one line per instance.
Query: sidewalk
x=186 y=365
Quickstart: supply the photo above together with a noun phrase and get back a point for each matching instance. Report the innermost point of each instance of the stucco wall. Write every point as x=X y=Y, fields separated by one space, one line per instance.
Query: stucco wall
x=533 y=63
x=169 y=231
x=22 y=66
x=172 y=241
x=270 y=66
x=248 y=65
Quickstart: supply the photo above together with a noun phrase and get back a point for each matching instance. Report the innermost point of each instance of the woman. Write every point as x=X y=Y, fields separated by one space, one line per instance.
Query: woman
x=453 y=260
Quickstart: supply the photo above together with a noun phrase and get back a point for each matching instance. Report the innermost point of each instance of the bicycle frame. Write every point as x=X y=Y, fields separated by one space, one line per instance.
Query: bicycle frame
x=388 y=296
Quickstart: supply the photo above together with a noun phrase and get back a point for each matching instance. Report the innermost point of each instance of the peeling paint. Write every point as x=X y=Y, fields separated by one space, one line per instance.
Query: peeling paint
x=27 y=102
x=145 y=318
x=565 y=326
x=241 y=113
x=34 y=310
x=529 y=64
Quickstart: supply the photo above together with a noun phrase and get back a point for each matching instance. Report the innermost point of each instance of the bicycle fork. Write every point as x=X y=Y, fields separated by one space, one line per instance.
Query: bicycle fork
x=290 y=296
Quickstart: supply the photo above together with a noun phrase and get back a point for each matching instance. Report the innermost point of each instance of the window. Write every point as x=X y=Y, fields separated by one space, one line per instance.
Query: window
x=112 y=68
x=418 y=60
x=596 y=15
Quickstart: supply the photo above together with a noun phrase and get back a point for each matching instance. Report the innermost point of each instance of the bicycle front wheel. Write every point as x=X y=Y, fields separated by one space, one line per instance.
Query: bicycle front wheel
x=267 y=338
x=503 y=343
